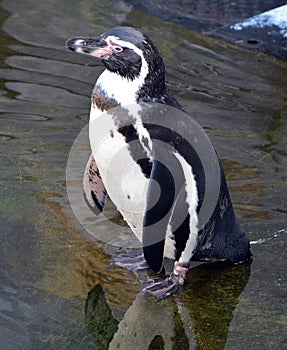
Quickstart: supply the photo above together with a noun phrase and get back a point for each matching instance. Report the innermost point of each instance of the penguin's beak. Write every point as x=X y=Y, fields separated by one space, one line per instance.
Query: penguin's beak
x=96 y=47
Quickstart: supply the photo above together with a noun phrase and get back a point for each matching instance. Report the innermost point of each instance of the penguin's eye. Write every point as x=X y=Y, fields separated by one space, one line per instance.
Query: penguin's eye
x=117 y=48
x=87 y=42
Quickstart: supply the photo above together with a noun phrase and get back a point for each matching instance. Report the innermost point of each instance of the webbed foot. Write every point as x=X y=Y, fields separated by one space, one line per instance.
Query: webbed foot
x=163 y=288
x=131 y=262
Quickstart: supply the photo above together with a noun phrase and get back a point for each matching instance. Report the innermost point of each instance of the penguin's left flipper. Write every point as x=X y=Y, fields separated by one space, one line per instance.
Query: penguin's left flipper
x=94 y=190
x=165 y=199
x=166 y=183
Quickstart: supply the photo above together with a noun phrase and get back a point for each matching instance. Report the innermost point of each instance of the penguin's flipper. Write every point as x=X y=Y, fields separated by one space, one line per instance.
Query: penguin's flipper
x=166 y=182
x=94 y=190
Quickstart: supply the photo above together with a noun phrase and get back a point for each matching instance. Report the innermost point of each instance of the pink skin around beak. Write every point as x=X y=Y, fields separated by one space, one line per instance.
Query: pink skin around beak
x=107 y=50
x=101 y=52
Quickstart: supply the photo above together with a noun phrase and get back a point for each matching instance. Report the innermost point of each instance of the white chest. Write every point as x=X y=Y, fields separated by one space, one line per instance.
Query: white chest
x=123 y=178
x=121 y=89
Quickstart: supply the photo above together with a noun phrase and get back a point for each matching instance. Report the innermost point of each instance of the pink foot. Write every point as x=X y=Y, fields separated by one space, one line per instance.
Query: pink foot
x=131 y=262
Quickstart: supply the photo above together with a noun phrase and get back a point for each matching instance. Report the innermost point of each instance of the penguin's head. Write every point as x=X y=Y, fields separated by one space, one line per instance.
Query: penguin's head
x=125 y=51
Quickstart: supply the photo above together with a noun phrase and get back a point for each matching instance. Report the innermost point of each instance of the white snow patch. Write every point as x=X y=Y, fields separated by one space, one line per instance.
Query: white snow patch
x=276 y=17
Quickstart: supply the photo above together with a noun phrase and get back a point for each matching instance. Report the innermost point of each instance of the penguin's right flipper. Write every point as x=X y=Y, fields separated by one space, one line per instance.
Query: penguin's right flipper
x=94 y=190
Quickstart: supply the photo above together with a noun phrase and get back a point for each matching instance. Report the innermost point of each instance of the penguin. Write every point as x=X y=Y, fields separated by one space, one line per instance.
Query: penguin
x=165 y=178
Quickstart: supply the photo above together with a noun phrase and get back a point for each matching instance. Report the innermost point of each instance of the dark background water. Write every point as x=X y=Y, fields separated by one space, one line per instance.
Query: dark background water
x=205 y=16
x=56 y=289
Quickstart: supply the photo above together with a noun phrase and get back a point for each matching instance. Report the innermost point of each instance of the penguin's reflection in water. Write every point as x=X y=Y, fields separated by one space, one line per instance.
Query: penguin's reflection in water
x=197 y=318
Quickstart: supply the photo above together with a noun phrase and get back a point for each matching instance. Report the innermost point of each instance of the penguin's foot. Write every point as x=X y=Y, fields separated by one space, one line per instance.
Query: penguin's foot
x=131 y=262
x=162 y=288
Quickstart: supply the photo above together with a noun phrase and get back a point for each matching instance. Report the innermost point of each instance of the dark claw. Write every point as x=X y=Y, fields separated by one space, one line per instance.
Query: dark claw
x=131 y=262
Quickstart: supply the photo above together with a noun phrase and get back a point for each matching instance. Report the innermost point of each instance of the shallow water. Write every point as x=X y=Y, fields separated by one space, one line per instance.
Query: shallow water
x=56 y=289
